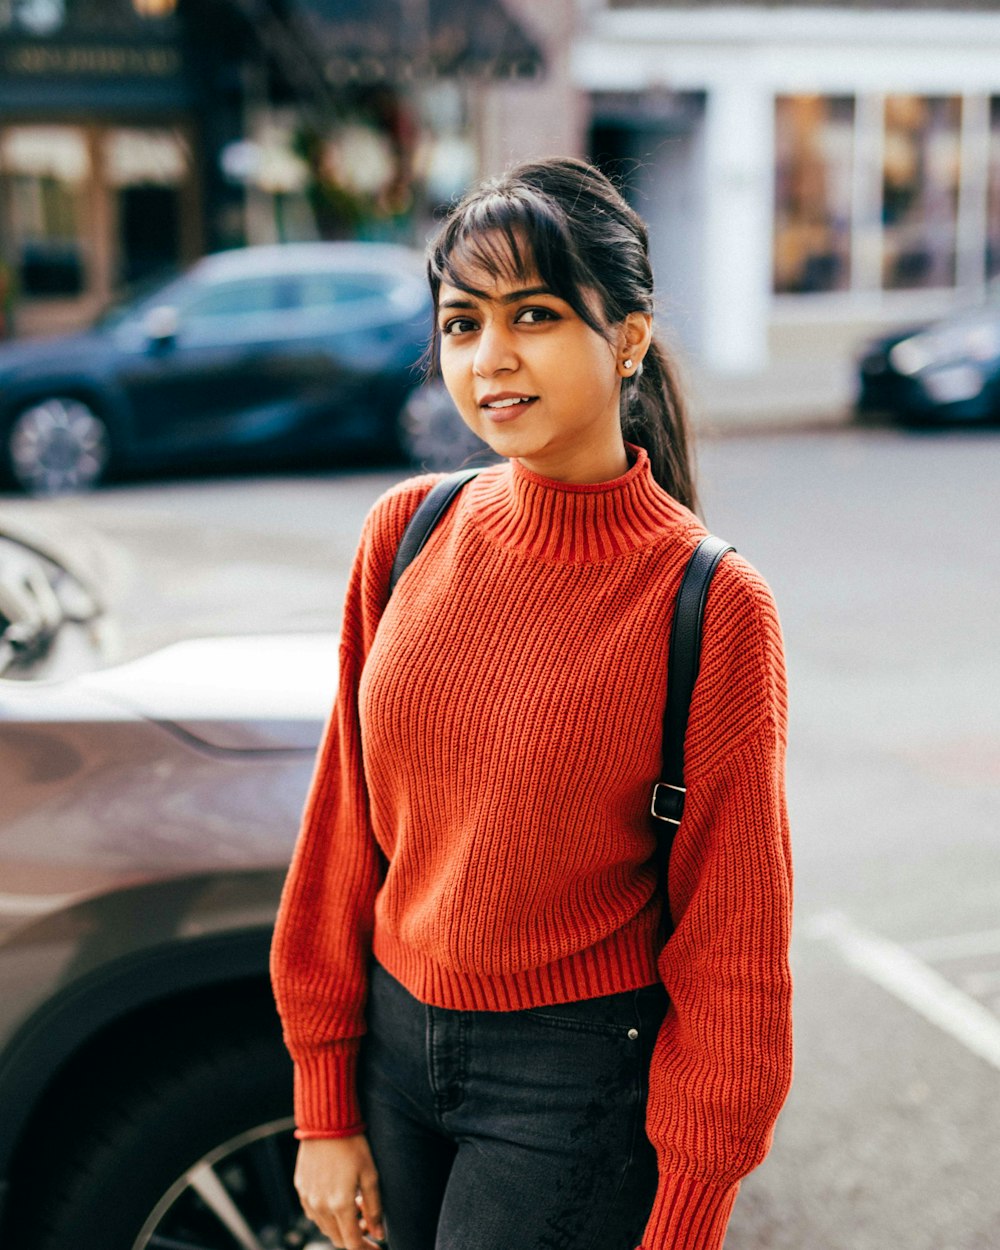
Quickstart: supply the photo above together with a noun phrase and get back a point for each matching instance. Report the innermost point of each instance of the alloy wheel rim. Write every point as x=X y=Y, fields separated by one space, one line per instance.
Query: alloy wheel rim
x=239 y=1196
x=58 y=445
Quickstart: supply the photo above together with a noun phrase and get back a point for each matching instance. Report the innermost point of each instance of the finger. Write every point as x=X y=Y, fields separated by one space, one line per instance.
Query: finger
x=371 y=1205
x=327 y=1223
x=349 y=1234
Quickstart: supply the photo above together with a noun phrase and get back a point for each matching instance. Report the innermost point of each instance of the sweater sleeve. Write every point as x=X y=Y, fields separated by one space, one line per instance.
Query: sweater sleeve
x=721 y=1067
x=322 y=939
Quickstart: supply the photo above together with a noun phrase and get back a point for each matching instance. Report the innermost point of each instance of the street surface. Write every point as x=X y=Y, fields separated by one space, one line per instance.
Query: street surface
x=882 y=550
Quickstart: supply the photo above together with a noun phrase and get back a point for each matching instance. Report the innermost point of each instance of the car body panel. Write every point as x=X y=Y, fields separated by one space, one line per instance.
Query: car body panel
x=953 y=385
x=258 y=692
x=122 y=835
x=289 y=376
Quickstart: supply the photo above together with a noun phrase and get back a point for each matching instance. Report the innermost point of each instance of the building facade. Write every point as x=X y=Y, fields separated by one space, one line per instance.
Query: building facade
x=135 y=135
x=806 y=170
x=110 y=115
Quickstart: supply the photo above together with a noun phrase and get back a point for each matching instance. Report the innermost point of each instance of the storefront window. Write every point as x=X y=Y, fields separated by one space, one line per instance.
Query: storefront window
x=45 y=171
x=814 y=159
x=920 y=178
x=993 y=194
x=146 y=170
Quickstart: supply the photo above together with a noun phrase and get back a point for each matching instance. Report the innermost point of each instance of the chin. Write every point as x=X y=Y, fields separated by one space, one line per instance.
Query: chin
x=510 y=442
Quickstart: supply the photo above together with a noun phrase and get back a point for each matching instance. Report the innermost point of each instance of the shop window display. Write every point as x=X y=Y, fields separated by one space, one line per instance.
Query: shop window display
x=920 y=179
x=814 y=167
x=146 y=170
x=44 y=170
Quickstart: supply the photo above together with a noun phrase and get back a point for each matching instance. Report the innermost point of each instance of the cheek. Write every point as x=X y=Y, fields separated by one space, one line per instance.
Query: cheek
x=456 y=372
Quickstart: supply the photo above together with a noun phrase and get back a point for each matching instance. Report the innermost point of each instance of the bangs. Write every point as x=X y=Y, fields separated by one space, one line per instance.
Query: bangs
x=511 y=238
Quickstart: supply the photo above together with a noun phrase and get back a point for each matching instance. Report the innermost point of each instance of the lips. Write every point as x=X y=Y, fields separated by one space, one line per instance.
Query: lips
x=507 y=404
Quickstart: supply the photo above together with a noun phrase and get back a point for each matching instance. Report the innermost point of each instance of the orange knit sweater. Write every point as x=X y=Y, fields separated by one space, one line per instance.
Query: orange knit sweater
x=479 y=813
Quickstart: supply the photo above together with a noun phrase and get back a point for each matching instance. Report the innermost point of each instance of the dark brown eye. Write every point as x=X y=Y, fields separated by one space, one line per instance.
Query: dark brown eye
x=458 y=325
x=532 y=316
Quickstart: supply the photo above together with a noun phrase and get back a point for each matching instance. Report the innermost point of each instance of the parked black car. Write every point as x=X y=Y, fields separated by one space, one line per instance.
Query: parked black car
x=298 y=351
x=942 y=372
x=148 y=811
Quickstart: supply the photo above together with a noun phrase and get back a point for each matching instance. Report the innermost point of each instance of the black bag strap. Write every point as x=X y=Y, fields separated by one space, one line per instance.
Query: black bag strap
x=431 y=509
x=667 y=806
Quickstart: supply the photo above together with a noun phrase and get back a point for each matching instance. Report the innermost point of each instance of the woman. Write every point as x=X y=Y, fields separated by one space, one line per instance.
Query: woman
x=488 y=1037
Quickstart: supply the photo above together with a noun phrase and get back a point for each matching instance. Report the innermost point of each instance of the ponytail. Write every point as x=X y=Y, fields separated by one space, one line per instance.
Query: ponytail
x=654 y=414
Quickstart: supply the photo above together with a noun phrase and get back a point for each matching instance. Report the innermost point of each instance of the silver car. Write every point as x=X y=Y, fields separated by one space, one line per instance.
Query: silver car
x=147 y=813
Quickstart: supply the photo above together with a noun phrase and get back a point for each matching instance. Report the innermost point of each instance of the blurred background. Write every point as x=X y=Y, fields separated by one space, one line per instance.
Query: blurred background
x=810 y=173
x=190 y=443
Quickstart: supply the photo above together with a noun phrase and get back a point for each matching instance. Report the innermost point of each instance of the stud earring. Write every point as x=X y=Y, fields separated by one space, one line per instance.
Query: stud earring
x=627 y=364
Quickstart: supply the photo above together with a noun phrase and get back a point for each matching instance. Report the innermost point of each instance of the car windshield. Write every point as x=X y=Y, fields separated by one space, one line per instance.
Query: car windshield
x=133 y=302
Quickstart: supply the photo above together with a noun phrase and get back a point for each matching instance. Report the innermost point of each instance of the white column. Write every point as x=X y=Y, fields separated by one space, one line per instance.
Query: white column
x=973 y=223
x=739 y=192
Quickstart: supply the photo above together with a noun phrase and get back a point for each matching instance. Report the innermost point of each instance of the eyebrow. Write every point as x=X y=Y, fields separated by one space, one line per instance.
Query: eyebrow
x=510 y=298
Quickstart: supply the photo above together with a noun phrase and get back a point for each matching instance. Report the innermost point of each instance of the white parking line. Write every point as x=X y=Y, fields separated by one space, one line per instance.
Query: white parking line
x=909 y=979
x=960 y=946
x=979 y=983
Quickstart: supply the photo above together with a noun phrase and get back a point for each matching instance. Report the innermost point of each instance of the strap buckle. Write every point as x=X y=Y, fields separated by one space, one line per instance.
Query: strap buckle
x=668 y=803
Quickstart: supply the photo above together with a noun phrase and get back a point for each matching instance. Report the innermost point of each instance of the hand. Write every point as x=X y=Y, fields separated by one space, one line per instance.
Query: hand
x=334 y=1177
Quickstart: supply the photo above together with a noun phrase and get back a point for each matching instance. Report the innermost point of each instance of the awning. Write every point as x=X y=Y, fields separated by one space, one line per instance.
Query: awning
x=371 y=41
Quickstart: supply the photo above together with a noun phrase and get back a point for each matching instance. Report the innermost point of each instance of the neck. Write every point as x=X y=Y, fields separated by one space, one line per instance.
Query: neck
x=584 y=468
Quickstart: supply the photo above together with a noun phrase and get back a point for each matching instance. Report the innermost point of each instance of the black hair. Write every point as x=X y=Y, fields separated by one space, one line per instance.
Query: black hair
x=564 y=220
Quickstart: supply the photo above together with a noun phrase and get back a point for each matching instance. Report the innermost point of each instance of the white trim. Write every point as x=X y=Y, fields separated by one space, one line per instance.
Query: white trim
x=973 y=209
x=893 y=307
x=830 y=51
x=867 y=175
x=789 y=24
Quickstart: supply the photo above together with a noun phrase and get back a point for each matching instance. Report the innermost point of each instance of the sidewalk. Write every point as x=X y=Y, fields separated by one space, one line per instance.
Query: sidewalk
x=793 y=393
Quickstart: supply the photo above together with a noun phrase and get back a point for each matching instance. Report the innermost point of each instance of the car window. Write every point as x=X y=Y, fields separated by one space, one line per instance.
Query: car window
x=334 y=290
x=246 y=297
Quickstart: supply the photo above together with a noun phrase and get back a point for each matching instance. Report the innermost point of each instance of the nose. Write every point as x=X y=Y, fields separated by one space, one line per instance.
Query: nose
x=494 y=351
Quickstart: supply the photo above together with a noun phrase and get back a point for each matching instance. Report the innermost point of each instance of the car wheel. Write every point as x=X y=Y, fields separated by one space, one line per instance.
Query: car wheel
x=432 y=434
x=57 y=445
x=198 y=1156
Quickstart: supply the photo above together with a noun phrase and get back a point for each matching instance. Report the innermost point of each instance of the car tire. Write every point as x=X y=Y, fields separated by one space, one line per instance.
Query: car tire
x=433 y=436
x=56 y=445
x=194 y=1153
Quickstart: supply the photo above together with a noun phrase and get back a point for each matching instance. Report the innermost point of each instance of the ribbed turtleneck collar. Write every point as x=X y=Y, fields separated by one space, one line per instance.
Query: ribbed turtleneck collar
x=572 y=523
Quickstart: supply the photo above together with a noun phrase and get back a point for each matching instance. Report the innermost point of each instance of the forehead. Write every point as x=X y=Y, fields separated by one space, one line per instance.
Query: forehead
x=490 y=265
x=487 y=288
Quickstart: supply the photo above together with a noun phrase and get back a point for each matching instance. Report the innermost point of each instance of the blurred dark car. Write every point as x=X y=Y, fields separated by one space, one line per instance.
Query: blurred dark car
x=292 y=351
x=147 y=814
x=947 y=371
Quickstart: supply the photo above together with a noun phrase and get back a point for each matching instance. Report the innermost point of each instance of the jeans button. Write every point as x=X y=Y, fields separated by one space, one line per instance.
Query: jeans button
x=633 y=1034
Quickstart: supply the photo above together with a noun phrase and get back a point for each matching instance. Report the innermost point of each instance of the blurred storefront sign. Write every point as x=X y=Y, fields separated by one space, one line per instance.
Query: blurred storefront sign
x=399 y=40
x=135 y=136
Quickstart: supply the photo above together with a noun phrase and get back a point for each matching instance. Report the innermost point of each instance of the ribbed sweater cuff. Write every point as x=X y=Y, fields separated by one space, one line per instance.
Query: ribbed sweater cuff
x=326 y=1091
x=688 y=1214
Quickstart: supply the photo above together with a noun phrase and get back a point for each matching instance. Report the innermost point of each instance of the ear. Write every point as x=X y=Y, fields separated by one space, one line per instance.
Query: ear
x=635 y=335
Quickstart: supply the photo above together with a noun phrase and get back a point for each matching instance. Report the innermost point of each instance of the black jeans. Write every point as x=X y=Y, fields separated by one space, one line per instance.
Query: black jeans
x=510 y=1130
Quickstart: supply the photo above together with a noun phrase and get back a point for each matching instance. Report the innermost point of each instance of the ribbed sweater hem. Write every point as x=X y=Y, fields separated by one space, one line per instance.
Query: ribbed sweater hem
x=689 y=1214
x=624 y=960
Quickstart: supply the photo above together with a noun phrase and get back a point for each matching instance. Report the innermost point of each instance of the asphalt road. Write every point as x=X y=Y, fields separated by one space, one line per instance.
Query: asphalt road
x=882 y=551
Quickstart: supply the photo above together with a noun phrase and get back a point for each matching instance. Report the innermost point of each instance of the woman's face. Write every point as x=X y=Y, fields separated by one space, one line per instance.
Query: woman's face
x=531 y=378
